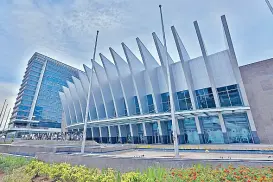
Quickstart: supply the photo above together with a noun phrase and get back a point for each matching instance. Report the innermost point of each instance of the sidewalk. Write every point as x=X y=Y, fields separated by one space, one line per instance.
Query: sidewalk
x=212 y=146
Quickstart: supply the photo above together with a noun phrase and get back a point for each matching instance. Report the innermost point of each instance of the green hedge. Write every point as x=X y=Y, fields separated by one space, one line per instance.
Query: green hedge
x=66 y=173
x=24 y=170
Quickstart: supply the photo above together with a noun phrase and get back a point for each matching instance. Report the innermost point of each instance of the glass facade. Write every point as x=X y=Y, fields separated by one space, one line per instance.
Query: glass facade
x=205 y=98
x=155 y=133
x=190 y=131
x=212 y=129
x=238 y=128
x=230 y=96
x=48 y=108
x=54 y=78
x=184 y=100
x=165 y=101
x=150 y=102
x=137 y=111
x=125 y=112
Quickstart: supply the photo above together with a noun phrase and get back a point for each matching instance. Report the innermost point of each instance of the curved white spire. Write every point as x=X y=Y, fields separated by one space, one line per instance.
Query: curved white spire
x=65 y=108
x=105 y=89
x=150 y=65
x=127 y=85
x=76 y=101
x=81 y=94
x=96 y=93
x=71 y=105
x=137 y=70
x=115 y=86
x=92 y=109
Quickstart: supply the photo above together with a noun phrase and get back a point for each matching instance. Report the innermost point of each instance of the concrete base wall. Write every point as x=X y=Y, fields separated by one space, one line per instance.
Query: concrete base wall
x=258 y=81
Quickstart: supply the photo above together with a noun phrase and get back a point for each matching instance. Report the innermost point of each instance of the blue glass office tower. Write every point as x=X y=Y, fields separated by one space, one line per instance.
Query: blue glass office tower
x=38 y=106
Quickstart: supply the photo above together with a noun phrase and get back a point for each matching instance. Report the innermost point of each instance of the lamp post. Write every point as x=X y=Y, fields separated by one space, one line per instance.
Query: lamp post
x=88 y=96
x=167 y=65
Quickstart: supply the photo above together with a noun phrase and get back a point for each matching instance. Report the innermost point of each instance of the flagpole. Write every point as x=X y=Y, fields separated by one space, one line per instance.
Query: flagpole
x=174 y=126
x=6 y=120
x=269 y=6
x=88 y=96
x=3 y=107
x=4 y=114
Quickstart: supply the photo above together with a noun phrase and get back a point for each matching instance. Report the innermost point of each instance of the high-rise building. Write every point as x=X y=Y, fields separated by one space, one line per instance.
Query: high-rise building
x=38 y=106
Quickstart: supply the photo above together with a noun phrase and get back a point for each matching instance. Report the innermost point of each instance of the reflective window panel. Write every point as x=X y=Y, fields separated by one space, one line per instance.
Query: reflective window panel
x=212 y=129
x=205 y=98
x=190 y=131
x=238 y=128
x=230 y=96
x=184 y=101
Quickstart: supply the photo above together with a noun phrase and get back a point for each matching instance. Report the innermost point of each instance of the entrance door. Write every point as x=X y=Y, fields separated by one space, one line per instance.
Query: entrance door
x=155 y=137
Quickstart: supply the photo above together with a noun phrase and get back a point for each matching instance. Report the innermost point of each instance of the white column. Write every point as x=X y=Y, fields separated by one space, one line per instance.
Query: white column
x=237 y=74
x=212 y=81
x=184 y=57
x=37 y=91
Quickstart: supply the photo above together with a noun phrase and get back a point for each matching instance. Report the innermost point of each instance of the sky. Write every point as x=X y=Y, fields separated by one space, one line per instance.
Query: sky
x=65 y=30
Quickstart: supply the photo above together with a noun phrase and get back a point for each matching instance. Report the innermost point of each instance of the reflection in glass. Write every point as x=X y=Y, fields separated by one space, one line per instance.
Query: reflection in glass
x=238 y=128
x=212 y=129
x=190 y=131
x=205 y=98
x=230 y=96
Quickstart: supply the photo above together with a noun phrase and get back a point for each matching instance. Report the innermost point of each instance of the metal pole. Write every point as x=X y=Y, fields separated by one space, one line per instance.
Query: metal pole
x=269 y=6
x=6 y=119
x=4 y=114
x=3 y=107
x=88 y=96
x=175 y=141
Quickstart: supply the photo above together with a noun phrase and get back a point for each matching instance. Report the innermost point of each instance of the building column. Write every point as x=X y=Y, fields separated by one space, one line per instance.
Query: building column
x=96 y=134
x=134 y=133
x=104 y=137
x=238 y=77
x=148 y=130
x=199 y=130
x=113 y=134
x=37 y=91
x=124 y=131
x=223 y=127
x=211 y=79
x=180 y=133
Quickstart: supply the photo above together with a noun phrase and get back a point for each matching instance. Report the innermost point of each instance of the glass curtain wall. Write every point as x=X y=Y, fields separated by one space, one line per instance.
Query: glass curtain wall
x=238 y=128
x=140 y=133
x=137 y=109
x=165 y=101
x=184 y=100
x=212 y=129
x=155 y=133
x=205 y=98
x=150 y=103
x=230 y=96
x=190 y=131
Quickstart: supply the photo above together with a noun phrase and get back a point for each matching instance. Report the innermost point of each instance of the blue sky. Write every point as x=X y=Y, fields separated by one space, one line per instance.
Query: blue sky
x=65 y=30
